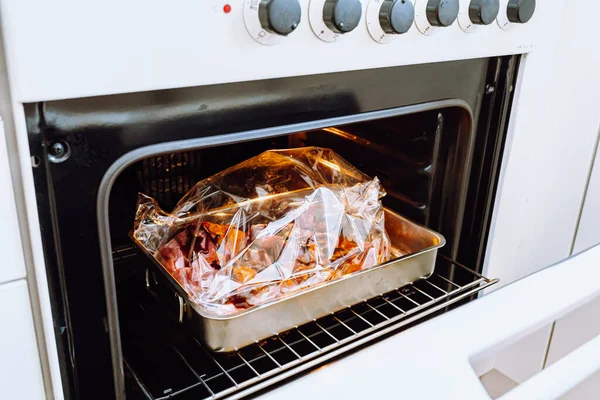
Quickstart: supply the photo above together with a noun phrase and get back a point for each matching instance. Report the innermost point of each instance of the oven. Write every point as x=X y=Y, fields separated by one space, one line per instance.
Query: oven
x=436 y=154
x=428 y=107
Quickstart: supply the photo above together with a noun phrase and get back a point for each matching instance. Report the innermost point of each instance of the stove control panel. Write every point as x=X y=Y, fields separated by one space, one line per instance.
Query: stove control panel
x=205 y=42
x=269 y=21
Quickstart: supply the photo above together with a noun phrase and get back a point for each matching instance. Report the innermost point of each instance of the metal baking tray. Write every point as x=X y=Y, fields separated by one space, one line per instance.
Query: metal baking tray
x=229 y=333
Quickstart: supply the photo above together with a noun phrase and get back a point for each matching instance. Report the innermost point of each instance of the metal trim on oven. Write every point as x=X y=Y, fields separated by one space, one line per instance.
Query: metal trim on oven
x=128 y=159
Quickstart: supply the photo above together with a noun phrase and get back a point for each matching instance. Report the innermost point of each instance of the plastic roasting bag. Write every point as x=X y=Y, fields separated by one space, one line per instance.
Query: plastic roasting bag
x=272 y=225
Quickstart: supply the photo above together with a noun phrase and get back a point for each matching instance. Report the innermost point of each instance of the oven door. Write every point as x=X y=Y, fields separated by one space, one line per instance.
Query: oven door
x=507 y=330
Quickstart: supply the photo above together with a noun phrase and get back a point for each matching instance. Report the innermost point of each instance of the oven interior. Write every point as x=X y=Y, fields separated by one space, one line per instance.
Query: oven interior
x=422 y=161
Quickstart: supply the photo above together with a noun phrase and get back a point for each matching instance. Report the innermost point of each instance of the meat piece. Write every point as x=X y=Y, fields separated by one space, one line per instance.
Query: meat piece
x=352 y=265
x=231 y=240
x=255 y=230
x=235 y=242
x=217 y=232
x=192 y=255
x=183 y=276
x=271 y=244
x=308 y=255
x=238 y=301
x=257 y=257
x=291 y=285
x=262 y=294
x=243 y=274
x=249 y=297
x=298 y=282
x=216 y=243
x=171 y=256
x=194 y=239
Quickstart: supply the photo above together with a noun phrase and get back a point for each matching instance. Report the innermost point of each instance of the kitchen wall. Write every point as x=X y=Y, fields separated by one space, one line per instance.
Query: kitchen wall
x=588 y=230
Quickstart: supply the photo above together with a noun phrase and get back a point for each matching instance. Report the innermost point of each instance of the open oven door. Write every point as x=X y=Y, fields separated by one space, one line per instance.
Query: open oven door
x=444 y=357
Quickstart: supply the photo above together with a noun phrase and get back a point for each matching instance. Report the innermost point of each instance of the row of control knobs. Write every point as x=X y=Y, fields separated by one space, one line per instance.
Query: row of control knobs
x=282 y=17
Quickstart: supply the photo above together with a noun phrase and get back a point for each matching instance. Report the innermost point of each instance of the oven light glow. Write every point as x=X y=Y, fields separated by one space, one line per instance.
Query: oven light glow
x=330 y=165
x=346 y=135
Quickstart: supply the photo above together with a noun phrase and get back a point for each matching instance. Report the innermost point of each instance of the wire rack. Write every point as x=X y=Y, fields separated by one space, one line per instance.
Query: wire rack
x=163 y=360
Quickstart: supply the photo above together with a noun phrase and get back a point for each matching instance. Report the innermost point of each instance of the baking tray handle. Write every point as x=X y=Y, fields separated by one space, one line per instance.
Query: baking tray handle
x=180 y=304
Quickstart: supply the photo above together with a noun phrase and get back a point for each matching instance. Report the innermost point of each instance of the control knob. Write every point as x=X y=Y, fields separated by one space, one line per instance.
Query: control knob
x=342 y=16
x=279 y=16
x=441 y=13
x=396 y=16
x=520 y=11
x=483 y=12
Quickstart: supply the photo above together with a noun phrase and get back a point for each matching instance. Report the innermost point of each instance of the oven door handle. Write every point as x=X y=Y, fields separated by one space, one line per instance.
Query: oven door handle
x=557 y=379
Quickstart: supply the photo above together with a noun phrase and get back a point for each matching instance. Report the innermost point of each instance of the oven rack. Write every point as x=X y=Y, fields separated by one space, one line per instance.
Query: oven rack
x=175 y=365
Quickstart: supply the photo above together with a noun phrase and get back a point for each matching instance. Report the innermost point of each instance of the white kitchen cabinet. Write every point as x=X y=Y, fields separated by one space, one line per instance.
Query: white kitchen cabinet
x=588 y=389
x=588 y=232
x=573 y=330
x=562 y=378
x=526 y=358
x=570 y=332
x=20 y=369
x=13 y=265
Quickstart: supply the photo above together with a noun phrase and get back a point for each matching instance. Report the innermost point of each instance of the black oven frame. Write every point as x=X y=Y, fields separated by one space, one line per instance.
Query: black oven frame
x=96 y=132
